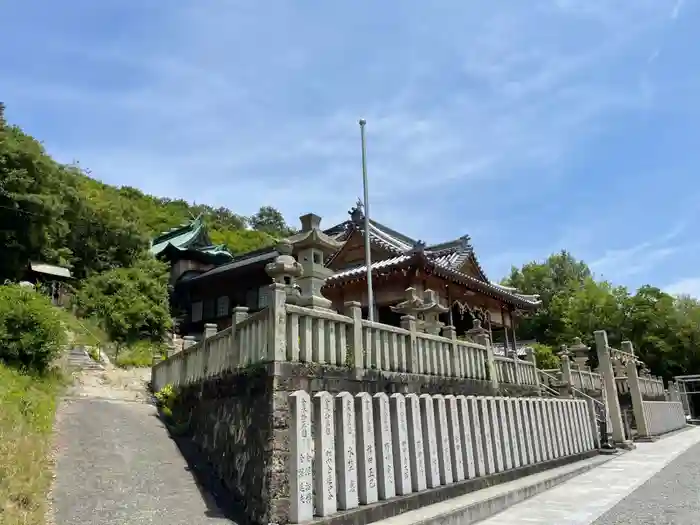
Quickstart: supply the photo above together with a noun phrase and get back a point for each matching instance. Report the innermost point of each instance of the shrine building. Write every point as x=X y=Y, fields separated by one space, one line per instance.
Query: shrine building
x=207 y=281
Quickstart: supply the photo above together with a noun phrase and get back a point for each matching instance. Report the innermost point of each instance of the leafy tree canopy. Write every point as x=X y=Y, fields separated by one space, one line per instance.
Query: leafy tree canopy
x=131 y=303
x=664 y=330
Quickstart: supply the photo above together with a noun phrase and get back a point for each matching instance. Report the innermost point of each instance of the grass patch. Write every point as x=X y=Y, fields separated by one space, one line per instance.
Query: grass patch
x=26 y=420
x=87 y=331
x=139 y=355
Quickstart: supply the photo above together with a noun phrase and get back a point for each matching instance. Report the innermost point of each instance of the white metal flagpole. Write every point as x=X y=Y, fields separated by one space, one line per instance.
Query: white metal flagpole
x=368 y=258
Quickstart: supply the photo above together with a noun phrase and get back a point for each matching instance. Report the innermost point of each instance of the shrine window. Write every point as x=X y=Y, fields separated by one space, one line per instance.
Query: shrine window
x=196 y=311
x=222 y=306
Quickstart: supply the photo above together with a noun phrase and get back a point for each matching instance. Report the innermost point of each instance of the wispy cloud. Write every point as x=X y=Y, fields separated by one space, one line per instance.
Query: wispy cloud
x=689 y=286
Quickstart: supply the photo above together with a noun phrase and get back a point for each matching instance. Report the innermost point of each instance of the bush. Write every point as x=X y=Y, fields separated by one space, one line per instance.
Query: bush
x=31 y=332
x=131 y=303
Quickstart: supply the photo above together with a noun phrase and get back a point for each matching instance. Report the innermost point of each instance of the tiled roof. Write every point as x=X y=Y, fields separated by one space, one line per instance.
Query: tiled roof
x=450 y=272
x=50 y=269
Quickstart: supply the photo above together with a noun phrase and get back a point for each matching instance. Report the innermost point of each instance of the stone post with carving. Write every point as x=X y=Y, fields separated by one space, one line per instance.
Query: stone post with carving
x=606 y=370
x=481 y=336
x=637 y=400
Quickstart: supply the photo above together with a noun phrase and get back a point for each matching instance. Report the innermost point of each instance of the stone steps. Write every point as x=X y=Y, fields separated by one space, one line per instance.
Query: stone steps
x=79 y=358
x=482 y=504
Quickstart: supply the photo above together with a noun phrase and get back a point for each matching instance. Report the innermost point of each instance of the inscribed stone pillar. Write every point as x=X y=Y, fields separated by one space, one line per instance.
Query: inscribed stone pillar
x=385 y=452
x=523 y=422
x=443 y=439
x=324 y=451
x=558 y=430
x=486 y=433
x=415 y=443
x=402 y=453
x=506 y=437
x=606 y=370
x=346 y=452
x=464 y=428
x=547 y=451
x=637 y=400
x=301 y=507
x=567 y=436
x=366 y=455
x=578 y=441
x=430 y=444
x=495 y=423
x=455 y=438
x=476 y=424
x=515 y=432
x=537 y=430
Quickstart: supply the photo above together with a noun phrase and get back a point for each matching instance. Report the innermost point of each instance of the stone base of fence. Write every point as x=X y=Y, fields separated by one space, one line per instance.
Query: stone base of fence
x=239 y=420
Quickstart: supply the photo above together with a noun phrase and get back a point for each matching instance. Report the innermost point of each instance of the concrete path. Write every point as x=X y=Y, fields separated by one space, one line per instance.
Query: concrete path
x=633 y=489
x=116 y=464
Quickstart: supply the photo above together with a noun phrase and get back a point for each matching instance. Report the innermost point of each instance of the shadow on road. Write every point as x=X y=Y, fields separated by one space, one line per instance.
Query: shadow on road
x=218 y=499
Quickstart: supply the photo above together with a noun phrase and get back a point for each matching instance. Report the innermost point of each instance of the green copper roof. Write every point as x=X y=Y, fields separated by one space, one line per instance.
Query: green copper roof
x=184 y=236
x=190 y=237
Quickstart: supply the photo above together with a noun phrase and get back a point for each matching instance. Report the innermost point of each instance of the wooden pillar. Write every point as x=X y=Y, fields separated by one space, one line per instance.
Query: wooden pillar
x=512 y=331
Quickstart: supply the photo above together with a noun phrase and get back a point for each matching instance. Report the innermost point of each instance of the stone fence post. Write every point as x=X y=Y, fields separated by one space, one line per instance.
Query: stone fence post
x=277 y=323
x=235 y=354
x=353 y=310
x=608 y=376
x=210 y=330
x=481 y=336
x=532 y=358
x=408 y=322
x=637 y=400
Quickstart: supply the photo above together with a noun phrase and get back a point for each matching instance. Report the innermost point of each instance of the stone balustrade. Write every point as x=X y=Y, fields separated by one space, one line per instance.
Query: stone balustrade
x=515 y=371
x=649 y=386
x=663 y=416
x=347 y=451
x=289 y=332
x=243 y=343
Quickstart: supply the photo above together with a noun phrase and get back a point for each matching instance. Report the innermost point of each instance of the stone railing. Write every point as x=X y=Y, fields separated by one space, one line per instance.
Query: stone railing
x=515 y=371
x=243 y=343
x=289 y=332
x=586 y=379
x=649 y=386
x=348 y=451
x=663 y=416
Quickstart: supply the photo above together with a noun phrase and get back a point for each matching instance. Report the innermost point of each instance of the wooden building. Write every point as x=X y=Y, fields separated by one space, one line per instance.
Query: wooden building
x=209 y=281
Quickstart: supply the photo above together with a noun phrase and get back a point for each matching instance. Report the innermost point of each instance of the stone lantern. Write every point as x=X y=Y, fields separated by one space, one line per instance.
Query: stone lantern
x=286 y=270
x=579 y=352
x=312 y=247
x=431 y=311
x=411 y=305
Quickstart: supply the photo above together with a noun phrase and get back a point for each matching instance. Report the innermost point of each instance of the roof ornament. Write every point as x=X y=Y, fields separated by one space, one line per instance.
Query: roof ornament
x=418 y=247
x=356 y=213
x=465 y=242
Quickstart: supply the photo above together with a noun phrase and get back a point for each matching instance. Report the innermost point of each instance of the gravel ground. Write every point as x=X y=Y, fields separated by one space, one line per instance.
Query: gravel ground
x=671 y=497
x=116 y=464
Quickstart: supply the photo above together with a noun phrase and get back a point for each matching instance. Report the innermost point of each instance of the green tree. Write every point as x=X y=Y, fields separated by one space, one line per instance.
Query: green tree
x=31 y=204
x=554 y=280
x=131 y=303
x=270 y=220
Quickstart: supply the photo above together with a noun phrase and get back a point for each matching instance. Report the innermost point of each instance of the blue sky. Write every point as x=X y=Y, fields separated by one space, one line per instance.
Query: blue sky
x=530 y=125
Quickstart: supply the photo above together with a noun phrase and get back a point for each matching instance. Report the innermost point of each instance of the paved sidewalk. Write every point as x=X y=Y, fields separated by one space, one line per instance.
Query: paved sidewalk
x=671 y=495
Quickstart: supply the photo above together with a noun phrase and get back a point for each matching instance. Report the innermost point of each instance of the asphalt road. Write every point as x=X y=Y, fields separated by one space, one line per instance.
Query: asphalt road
x=116 y=464
x=670 y=497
